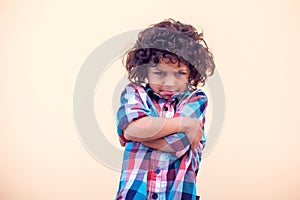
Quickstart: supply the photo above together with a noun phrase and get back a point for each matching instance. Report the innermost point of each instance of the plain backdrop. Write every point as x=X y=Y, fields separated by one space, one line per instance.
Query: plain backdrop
x=43 y=45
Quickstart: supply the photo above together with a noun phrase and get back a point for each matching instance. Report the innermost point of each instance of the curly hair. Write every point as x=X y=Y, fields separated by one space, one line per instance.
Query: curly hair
x=174 y=41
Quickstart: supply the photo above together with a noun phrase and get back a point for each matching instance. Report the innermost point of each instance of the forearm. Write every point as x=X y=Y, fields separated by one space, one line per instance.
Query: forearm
x=152 y=128
x=159 y=144
x=162 y=145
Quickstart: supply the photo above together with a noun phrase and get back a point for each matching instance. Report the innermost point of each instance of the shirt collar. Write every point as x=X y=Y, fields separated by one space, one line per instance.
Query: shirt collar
x=175 y=97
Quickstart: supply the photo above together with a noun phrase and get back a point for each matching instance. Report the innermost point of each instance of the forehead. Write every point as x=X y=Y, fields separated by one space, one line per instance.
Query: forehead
x=166 y=64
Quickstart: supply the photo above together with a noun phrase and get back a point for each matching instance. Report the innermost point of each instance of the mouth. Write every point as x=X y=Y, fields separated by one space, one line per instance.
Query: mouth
x=167 y=93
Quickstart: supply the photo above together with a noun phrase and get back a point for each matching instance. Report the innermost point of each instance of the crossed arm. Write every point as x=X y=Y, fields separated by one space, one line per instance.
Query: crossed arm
x=175 y=135
x=151 y=131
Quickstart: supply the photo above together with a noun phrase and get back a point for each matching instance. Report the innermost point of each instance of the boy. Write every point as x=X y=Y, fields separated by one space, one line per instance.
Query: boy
x=161 y=116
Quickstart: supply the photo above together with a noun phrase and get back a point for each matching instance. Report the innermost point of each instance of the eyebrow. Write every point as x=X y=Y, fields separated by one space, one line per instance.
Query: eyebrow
x=179 y=69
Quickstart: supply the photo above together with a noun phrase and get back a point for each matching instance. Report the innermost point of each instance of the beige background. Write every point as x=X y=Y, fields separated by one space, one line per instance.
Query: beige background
x=44 y=43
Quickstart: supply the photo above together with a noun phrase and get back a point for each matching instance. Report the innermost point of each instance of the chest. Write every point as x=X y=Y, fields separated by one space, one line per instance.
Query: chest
x=165 y=108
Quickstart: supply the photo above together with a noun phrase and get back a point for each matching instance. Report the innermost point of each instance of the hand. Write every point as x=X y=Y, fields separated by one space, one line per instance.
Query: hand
x=192 y=127
x=122 y=142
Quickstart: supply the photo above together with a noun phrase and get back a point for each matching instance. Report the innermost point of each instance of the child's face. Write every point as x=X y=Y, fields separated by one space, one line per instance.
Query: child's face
x=167 y=79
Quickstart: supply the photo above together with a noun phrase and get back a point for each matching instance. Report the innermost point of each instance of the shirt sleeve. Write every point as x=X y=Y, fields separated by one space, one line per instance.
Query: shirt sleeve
x=195 y=107
x=132 y=106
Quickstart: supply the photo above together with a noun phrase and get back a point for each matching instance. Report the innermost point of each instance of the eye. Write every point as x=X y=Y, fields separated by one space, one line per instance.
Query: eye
x=159 y=73
x=180 y=73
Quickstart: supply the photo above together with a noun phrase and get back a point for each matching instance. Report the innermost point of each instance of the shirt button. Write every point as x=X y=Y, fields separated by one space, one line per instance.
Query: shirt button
x=154 y=196
x=165 y=108
x=157 y=171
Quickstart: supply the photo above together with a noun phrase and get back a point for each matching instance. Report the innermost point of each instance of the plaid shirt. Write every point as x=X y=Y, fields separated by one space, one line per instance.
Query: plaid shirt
x=148 y=173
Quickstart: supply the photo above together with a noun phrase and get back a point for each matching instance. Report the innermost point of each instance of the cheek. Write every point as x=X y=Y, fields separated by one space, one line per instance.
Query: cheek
x=154 y=81
x=184 y=80
x=187 y=77
x=185 y=85
x=155 y=85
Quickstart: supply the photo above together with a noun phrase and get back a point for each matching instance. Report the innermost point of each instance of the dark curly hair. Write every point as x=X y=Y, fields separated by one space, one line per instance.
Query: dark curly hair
x=174 y=41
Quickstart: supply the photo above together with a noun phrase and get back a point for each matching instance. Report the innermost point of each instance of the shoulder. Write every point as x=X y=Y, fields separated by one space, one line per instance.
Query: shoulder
x=198 y=102
x=133 y=88
x=194 y=105
x=197 y=95
x=133 y=91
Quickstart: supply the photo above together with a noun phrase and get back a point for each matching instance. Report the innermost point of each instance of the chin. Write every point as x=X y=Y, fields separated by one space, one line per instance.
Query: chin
x=166 y=97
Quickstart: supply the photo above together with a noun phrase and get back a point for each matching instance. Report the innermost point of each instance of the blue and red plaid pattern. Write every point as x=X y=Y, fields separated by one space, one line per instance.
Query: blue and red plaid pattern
x=148 y=173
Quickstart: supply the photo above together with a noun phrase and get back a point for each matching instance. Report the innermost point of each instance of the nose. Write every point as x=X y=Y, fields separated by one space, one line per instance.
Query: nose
x=169 y=82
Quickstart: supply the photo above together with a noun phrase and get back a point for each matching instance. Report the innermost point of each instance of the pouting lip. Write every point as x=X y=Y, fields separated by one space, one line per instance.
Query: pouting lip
x=167 y=92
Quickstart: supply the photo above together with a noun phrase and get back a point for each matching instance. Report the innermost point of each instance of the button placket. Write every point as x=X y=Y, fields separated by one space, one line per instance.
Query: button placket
x=154 y=195
x=157 y=171
x=166 y=106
